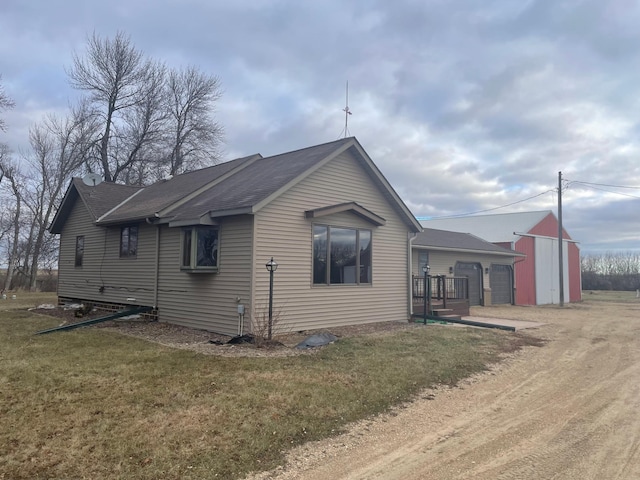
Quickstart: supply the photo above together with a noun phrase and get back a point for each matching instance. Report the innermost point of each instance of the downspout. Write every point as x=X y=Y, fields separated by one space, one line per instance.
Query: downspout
x=410 y=279
x=157 y=267
x=157 y=273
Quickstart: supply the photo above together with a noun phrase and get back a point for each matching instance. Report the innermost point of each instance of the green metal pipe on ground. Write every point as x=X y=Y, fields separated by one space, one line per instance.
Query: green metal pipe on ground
x=471 y=323
x=113 y=316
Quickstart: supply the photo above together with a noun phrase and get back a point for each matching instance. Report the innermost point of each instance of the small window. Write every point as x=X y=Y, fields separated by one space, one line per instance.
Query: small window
x=186 y=248
x=200 y=249
x=129 y=241
x=79 y=250
x=423 y=259
x=319 y=254
x=365 y=255
x=341 y=255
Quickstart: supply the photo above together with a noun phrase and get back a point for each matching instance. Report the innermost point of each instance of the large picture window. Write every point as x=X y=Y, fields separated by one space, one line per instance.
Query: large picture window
x=341 y=255
x=200 y=249
x=129 y=241
x=79 y=250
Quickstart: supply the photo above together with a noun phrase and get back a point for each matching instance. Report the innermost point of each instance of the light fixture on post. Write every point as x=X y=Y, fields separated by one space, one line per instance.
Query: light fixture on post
x=272 y=266
x=426 y=290
x=450 y=269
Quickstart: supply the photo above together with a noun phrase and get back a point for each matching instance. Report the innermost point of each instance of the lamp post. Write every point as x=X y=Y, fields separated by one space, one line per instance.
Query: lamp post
x=272 y=266
x=427 y=290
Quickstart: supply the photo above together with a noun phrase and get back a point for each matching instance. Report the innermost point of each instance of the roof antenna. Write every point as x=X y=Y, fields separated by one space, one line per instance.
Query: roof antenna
x=347 y=112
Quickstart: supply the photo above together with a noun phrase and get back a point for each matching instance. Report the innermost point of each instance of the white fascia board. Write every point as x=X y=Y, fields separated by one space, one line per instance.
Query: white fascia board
x=545 y=236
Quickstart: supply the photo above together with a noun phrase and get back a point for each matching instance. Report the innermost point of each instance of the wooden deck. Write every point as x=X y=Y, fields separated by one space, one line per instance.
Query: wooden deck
x=449 y=296
x=454 y=307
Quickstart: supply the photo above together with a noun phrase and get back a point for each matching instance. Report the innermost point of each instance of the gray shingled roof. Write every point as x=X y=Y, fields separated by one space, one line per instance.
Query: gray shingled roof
x=104 y=196
x=444 y=239
x=258 y=181
x=98 y=199
x=239 y=186
x=162 y=194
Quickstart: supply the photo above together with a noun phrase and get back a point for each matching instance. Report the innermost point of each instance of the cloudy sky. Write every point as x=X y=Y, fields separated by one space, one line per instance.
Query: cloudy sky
x=465 y=106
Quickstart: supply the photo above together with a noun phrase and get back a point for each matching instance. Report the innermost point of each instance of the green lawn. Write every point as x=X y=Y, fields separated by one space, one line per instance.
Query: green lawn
x=90 y=403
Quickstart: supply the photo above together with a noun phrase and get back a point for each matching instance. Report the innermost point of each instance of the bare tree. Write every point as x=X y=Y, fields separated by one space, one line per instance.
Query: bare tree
x=59 y=149
x=10 y=172
x=5 y=103
x=192 y=134
x=114 y=73
x=142 y=127
x=150 y=120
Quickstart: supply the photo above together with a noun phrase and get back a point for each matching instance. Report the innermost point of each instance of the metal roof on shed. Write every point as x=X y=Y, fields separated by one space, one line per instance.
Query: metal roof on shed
x=492 y=228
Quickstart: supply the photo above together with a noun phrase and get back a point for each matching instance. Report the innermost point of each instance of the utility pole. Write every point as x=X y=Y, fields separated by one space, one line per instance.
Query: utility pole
x=560 y=245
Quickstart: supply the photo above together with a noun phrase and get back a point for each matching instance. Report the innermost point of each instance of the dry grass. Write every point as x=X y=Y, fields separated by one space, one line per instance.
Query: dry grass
x=25 y=300
x=91 y=403
x=609 y=296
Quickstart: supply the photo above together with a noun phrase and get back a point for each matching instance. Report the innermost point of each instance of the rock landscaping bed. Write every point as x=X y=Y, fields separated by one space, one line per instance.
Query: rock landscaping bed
x=209 y=343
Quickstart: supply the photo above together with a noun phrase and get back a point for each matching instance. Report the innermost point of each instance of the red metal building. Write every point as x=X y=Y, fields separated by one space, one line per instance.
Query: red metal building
x=537 y=276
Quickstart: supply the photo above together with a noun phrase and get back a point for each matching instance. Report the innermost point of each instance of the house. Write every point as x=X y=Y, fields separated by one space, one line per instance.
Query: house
x=537 y=276
x=195 y=246
x=488 y=268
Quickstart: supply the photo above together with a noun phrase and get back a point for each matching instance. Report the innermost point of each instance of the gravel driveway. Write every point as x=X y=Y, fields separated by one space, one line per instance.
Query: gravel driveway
x=569 y=410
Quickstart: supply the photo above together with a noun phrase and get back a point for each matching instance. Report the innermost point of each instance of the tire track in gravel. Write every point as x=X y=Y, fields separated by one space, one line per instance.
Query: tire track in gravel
x=569 y=410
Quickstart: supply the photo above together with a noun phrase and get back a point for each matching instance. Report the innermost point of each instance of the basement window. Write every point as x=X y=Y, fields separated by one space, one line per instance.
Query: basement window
x=200 y=249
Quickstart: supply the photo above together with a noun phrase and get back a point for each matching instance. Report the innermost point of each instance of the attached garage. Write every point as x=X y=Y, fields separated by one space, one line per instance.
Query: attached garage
x=501 y=279
x=457 y=254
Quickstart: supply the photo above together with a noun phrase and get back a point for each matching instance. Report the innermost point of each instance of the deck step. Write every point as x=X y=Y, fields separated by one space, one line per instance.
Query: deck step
x=450 y=317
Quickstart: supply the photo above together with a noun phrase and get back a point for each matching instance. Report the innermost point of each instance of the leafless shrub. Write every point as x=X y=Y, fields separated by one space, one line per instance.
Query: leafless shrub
x=264 y=330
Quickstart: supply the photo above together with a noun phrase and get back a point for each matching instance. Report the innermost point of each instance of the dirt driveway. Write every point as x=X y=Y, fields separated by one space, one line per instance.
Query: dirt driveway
x=568 y=410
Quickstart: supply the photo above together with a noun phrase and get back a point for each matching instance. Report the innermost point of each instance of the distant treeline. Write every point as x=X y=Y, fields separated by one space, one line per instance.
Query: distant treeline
x=611 y=271
x=46 y=281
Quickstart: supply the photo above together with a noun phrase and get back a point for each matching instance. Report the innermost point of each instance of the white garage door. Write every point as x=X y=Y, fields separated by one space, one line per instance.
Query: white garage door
x=548 y=271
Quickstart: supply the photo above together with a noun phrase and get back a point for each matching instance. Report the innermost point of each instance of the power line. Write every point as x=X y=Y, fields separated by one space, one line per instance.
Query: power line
x=602 y=184
x=491 y=209
x=607 y=191
x=565 y=184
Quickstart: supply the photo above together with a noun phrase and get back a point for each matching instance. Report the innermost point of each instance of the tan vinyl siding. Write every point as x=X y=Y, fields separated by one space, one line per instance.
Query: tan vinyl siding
x=123 y=279
x=282 y=231
x=440 y=261
x=207 y=300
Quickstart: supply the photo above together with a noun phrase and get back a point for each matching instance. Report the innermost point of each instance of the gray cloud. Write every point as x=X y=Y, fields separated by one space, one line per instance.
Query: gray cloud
x=464 y=105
